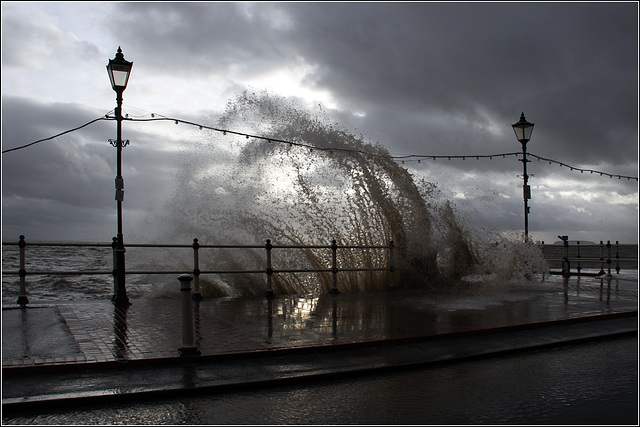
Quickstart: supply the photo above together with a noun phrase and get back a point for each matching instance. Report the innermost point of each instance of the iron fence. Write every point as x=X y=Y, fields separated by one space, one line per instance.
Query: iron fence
x=576 y=257
x=269 y=271
x=567 y=257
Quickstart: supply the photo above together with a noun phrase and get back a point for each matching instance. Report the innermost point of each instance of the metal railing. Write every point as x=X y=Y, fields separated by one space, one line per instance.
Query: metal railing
x=196 y=271
x=580 y=256
x=567 y=256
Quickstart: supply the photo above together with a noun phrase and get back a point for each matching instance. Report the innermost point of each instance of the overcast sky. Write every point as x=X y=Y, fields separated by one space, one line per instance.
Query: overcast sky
x=420 y=78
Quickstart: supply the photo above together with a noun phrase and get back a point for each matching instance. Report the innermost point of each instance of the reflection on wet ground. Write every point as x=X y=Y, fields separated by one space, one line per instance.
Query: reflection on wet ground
x=383 y=315
x=571 y=385
x=82 y=333
x=152 y=328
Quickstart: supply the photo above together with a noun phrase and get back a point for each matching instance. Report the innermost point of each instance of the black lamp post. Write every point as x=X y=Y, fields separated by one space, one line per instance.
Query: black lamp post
x=523 y=130
x=119 y=70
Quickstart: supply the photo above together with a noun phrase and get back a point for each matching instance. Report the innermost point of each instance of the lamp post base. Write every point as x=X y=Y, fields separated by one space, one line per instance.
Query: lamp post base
x=189 y=351
x=120 y=300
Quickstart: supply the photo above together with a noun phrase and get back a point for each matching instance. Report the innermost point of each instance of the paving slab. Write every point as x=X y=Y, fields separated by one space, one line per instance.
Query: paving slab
x=28 y=389
x=55 y=352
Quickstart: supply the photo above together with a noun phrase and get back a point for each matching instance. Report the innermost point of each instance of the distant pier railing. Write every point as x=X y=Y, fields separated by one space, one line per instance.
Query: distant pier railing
x=196 y=271
x=574 y=257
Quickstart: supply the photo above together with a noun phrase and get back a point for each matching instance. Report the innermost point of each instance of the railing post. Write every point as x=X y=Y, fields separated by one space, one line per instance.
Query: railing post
x=617 y=257
x=609 y=257
x=578 y=256
x=114 y=245
x=22 y=298
x=601 y=259
x=334 y=267
x=269 y=293
x=542 y=249
x=566 y=266
x=188 y=343
x=392 y=267
x=196 y=271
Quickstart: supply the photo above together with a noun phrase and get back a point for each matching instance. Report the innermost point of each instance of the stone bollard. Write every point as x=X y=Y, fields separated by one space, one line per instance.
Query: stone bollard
x=188 y=343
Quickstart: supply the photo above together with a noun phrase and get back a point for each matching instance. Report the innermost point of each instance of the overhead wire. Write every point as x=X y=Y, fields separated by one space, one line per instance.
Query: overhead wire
x=417 y=158
x=105 y=117
x=591 y=171
x=402 y=158
x=246 y=135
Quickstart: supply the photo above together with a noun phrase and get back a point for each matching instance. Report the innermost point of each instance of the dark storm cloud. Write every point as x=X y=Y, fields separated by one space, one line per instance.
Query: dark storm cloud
x=420 y=78
x=572 y=67
x=70 y=179
x=66 y=167
x=200 y=38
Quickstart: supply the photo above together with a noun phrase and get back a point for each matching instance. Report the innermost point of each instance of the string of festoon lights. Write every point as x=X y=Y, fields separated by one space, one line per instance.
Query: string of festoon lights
x=150 y=117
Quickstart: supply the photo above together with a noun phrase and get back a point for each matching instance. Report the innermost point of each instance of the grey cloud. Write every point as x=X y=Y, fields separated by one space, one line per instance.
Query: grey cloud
x=431 y=78
x=566 y=65
x=557 y=62
x=70 y=180
x=40 y=40
x=200 y=38
x=66 y=167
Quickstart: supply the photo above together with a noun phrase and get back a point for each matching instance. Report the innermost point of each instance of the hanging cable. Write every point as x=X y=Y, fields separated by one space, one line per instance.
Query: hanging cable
x=403 y=158
x=418 y=157
x=572 y=168
x=106 y=117
x=410 y=157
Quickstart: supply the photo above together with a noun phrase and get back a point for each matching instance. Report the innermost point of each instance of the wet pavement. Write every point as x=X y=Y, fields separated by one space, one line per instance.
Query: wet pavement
x=68 y=352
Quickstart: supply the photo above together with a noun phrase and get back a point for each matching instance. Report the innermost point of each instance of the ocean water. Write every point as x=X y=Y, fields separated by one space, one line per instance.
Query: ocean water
x=71 y=287
x=65 y=287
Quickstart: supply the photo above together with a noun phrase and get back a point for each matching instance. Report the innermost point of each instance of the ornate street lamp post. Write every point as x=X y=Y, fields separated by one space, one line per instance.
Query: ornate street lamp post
x=523 y=130
x=119 y=70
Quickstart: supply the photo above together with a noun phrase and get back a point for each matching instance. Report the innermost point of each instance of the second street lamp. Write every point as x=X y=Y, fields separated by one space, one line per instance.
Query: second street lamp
x=119 y=70
x=523 y=130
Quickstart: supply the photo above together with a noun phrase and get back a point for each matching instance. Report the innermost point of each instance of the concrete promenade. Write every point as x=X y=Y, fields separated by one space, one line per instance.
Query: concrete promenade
x=57 y=353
